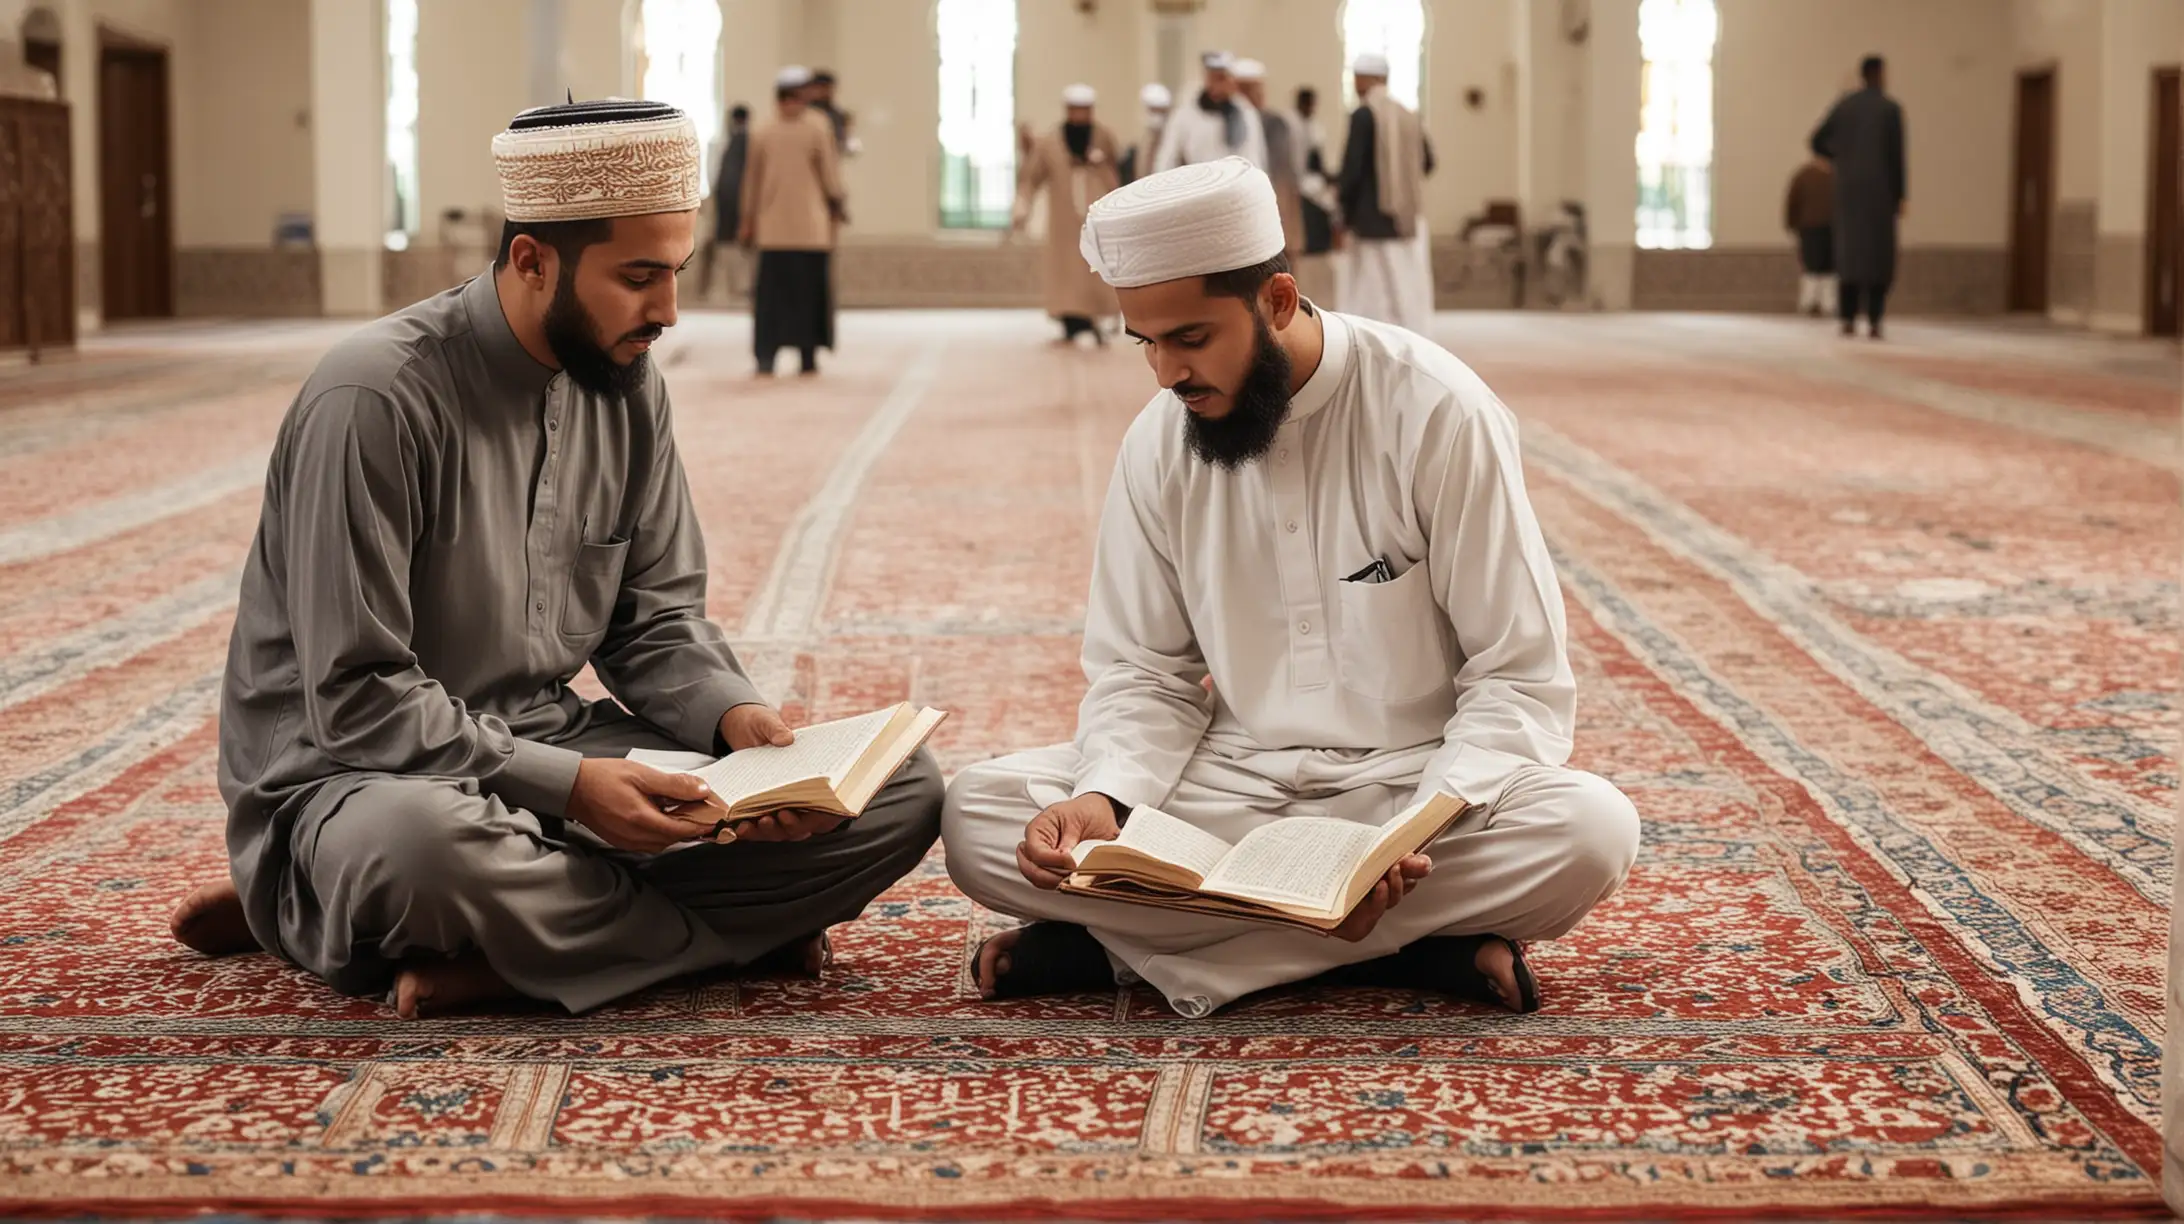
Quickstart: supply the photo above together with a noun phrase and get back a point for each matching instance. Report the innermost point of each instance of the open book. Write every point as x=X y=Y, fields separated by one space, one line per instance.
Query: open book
x=1307 y=871
x=832 y=767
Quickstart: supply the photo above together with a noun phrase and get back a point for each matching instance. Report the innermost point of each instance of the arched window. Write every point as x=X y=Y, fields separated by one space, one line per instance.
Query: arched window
x=977 y=112
x=401 y=138
x=1676 y=123
x=681 y=44
x=1394 y=28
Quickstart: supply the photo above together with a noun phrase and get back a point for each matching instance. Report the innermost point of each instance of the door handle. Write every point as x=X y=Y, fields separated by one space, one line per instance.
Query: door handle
x=148 y=203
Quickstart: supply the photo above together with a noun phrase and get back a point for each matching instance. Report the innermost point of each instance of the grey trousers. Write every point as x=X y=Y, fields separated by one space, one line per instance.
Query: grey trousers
x=385 y=868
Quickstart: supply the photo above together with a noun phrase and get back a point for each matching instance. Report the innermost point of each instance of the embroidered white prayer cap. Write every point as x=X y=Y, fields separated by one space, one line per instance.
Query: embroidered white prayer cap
x=1218 y=61
x=1155 y=97
x=1078 y=95
x=610 y=158
x=1370 y=63
x=1250 y=70
x=792 y=76
x=1193 y=220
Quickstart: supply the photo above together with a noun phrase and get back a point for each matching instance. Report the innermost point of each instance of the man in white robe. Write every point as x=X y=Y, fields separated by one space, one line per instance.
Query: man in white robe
x=1246 y=666
x=1386 y=271
x=1219 y=122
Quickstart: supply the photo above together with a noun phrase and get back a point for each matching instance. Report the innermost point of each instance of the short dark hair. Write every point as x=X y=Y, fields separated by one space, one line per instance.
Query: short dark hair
x=1869 y=68
x=822 y=76
x=1307 y=97
x=739 y=114
x=567 y=238
x=1245 y=283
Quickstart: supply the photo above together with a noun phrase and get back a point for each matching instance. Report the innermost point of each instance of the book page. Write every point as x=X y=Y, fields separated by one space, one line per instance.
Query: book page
x=670 y=760
x=1302 y=861
x=1157 y=835
x=823 y=750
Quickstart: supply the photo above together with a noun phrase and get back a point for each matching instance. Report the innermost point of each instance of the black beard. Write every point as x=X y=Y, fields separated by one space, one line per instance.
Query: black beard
x=1256 y=412
x=569 y=332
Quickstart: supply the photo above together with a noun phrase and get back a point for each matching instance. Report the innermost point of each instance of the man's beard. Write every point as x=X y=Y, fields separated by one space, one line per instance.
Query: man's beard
x=569 y=332
x=1256 y=411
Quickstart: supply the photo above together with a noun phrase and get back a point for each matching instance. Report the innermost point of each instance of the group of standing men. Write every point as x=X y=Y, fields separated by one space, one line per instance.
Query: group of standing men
x=778 y=192
x=1367 y=214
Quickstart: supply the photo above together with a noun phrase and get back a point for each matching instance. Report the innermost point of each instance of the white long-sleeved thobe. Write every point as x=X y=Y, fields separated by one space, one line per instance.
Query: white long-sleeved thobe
x=1195 y=135
x=1330 y=697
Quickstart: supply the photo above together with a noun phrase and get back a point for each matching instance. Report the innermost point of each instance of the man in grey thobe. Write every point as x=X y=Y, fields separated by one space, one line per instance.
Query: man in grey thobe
x=469 y=501
x=1863 y=138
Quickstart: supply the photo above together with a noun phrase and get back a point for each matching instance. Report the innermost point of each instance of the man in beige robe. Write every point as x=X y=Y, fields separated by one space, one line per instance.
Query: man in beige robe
x=793 y=202
x=1075 y=165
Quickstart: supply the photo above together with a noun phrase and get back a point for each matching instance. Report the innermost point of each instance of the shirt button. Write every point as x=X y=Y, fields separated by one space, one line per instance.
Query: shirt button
x=540 y=605
x=1304 y=626
x=551 y=425
x=1292 y=526
x=1282 y=455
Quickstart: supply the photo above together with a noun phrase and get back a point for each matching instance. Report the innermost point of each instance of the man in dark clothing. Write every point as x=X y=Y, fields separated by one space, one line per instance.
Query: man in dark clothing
x=1863 y=138
x=821 y=97
x=728 y=206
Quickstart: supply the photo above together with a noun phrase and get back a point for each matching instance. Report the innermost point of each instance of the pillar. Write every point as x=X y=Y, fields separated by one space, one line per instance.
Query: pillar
x=1611 y=154
x=348 y=152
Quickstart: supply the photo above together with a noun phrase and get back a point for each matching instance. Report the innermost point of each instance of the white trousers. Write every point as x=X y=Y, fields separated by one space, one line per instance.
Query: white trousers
x=1816 y=293
x=1555 y=843
x=1387 y=279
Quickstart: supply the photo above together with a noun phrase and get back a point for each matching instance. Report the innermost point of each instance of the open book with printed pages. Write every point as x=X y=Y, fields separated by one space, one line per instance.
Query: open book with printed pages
x=832 y=767
x=1306 y=871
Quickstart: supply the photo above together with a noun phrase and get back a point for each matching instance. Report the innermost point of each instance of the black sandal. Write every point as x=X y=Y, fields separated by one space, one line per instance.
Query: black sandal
x=1447 y=964
x=1049 y=958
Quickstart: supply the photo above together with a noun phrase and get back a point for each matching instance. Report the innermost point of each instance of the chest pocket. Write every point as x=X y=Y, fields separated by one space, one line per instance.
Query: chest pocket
x=1389 y=645
x=594 y=581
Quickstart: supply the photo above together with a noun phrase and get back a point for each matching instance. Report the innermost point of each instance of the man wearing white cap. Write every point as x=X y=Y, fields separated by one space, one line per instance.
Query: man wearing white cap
x=793 y=202
x=1075 y=165
x=1387 y=273
x=1137 y=160
x=1325 y=517
x=1219 y=123
x=469 y=501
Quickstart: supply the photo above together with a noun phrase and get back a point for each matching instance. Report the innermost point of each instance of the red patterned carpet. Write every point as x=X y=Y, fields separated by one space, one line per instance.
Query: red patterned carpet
x=1882 y=641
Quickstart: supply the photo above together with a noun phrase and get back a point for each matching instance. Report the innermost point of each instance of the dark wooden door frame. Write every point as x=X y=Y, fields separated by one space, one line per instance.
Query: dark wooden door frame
x=2032 y=189
x=136 y=179
x=2165 y=202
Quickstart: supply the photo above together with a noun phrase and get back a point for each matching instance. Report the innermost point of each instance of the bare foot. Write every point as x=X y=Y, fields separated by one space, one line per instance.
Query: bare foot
x=993 y=961
x=1045 y=958
x=1497 y=963
x=210 y=920
x=435 y=988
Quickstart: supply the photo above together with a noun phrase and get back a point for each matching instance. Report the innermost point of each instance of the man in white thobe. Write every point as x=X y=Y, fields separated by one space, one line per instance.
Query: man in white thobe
x=1319 y=590
x=1220 y=122
x=1386 y=271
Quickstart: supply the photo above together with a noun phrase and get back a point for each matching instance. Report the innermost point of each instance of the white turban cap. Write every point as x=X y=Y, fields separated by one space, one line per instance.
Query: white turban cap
x=793 y=76
x=584 y=160
x=1250 y=70
x=1217 y=61
x=1370 y=63
x=1155 y=96
x=1078 y=95
x=1190 y=221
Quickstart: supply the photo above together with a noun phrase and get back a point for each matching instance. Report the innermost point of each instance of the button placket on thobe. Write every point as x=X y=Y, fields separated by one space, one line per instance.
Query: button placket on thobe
x=539 y=548
x=1295 y=563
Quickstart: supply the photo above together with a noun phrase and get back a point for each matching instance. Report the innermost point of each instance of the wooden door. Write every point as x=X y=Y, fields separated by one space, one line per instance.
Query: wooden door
x=44 y=55
x=2032 y=190
x=136 y=231
x=48 y=226
x=2165 y=202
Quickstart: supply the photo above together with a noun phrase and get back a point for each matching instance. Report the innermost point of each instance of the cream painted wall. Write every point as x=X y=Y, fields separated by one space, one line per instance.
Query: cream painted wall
x=2136 y=36
x=890 y=80
x=1779 y=66
x=1057 y=46
x=1469 y=44
x=2065 y=35
x=472 y=78
x=242 y=147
